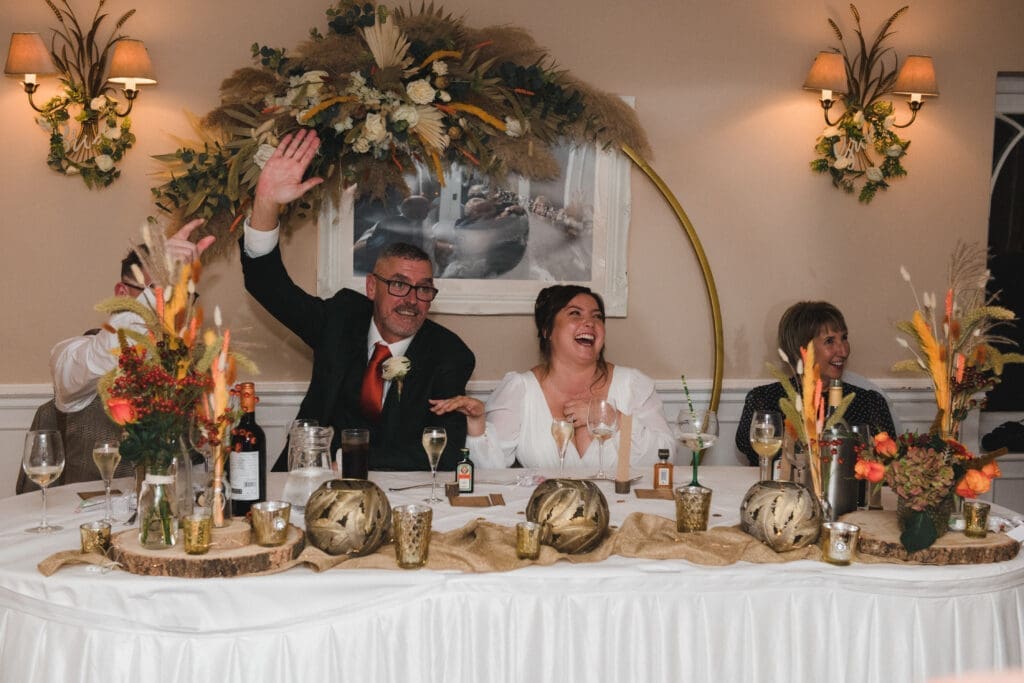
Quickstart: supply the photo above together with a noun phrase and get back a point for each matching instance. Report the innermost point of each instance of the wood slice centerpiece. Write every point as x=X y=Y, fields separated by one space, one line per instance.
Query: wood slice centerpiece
x=231 y=554
x=880 y=536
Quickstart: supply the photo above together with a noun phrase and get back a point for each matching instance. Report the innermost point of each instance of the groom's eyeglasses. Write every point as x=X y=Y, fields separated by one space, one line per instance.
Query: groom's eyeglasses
x=399 y=288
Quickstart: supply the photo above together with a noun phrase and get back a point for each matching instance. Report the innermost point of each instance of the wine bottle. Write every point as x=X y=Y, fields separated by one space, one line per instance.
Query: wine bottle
x=247 y=462
x=838 y=456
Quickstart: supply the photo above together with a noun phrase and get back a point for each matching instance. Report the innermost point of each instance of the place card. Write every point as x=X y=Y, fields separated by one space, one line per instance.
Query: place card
x=661 y=494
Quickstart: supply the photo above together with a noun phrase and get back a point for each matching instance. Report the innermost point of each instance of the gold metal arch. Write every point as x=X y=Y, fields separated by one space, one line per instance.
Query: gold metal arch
x=705 y=268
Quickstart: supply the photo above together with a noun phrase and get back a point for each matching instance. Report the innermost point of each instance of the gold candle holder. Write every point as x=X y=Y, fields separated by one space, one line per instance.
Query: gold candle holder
x=197 y=532
x=693 y=503
x=976 y=518
x=839 y=542
x=95 y=537
x=412 y=534
x=528 y=540
x=270 y=522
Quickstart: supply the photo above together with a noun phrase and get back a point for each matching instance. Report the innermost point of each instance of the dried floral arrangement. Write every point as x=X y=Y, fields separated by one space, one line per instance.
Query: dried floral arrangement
x=101 y=140
x=954 y=346
x=385 y=89
x=867 y=124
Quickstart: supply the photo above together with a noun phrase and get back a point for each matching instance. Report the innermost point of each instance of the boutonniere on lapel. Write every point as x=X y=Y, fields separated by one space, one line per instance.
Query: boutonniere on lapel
x=395 y=369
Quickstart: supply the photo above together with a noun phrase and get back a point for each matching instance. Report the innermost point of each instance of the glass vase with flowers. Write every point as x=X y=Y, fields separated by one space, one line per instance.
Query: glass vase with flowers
x=163 y=372
x=954 y=346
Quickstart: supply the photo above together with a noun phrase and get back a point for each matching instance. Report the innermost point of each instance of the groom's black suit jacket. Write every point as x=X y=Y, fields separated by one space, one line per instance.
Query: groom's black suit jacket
x=336 y=330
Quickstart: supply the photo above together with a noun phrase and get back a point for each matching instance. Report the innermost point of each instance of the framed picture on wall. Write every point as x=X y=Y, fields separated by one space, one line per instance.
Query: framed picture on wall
x=493 y=245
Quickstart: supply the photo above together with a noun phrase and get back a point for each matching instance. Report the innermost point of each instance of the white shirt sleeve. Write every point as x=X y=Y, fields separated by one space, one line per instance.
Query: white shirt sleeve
x=650 y=428
x=259 y=242
x=78 y=363
x=496 y=448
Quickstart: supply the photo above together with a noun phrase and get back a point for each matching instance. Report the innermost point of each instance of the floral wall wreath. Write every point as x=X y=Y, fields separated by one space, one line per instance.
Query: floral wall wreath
x=385 y=88
x=87 y=136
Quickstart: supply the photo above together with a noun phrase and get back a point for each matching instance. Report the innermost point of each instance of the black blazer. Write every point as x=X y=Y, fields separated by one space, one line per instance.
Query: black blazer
x=336 y=329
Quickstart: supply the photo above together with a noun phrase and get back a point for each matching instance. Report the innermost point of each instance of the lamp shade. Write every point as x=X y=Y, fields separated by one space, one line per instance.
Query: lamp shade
x=130 y=65
x=28 y=55
x=916 y=77
x=827 y=73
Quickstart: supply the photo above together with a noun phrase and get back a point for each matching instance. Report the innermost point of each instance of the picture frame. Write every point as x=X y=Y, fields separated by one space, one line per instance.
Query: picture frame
x=578 y=238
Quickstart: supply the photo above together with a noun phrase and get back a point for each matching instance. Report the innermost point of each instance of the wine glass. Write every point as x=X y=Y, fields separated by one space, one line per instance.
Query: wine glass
x=43 y=462
x=434 y=441
x=766 y=438
x=106 y=454
x=698 y=431
x=562 y=430
x=603 y=424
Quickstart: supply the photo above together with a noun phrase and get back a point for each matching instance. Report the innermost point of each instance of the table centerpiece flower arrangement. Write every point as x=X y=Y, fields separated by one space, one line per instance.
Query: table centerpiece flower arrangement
x=953 y=346
x=803 y=406
x=169 y=376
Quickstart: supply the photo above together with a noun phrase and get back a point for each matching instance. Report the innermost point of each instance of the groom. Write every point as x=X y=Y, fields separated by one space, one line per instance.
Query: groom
x=352 y=335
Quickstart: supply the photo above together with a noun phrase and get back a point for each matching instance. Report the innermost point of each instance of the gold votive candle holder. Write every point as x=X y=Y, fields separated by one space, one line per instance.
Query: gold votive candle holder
x=270 y=522
x=528 y=536
x=95 y=537
x=976 y=518
x=411 y=525
x=693 y=503
x=839 y=542
x=197 y=531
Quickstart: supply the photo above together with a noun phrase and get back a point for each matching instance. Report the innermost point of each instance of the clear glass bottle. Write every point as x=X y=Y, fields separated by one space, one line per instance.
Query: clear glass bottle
x=663 y=470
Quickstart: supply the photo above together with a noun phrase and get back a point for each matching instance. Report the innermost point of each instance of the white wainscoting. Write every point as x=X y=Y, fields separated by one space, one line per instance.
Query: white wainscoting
x=912 y=404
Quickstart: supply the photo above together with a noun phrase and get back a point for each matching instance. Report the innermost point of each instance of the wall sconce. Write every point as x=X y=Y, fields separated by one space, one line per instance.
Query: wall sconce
x=861 y=146
x=88 y=135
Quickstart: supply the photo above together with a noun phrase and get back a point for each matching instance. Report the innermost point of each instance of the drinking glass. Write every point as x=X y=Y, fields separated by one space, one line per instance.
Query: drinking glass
x=434 y=441
x=698 y=431
x=603 y=424
x=43 y=462
x=106 y=454
x=766 y=438
x=562 y=430
x=865 y=443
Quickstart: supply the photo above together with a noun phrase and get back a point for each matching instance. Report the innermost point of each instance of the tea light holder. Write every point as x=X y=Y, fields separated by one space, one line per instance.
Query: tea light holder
x=839 y=542
x=528 y=535
x=976 y=518
x=95 y=537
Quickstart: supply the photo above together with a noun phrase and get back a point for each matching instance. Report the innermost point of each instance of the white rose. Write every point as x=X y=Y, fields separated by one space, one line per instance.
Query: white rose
x=874 y=174
x=858 y=118
x=262 y=154
x=112 y=132
x=104 y=162
x=513 y=127
x=894 y=151
x=830 y=132
x=420 y=91
x=841 y=163
x=361 y=146
x=889 y=120
x=374 y=128
x=445 y=97
x=313 y=77
x=98 y=103
x=407 y=113
x=440 y=68
x=343 y=125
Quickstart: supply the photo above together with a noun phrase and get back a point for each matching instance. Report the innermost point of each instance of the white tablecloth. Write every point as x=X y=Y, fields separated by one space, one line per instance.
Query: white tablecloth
x=618 y=620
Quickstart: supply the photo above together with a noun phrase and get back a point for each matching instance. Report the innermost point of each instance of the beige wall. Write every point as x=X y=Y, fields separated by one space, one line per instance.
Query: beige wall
x=717 y=87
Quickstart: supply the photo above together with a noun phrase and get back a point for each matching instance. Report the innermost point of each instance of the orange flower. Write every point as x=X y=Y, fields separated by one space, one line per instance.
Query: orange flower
x=973 y=483
x=884 y=445
x=870 y=470
x=121 y=410
x=991 y=470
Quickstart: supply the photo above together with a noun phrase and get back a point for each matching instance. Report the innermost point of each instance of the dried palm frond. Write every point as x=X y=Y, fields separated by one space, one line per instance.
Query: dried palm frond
x=248 y=85
x=430 y=127
x=431 y=25
x=387 y=44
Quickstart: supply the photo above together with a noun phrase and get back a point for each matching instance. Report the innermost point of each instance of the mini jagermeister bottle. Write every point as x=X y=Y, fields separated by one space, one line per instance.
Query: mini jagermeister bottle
x=464 y=476
x=663 y=470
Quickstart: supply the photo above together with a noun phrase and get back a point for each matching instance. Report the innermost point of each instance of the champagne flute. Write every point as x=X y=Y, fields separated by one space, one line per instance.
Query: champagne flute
x=603 y=423
x=766 y=438
x=106 y=454
x=43 y=462
x=562 y=430
x=434 y=441
x=698 y=431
